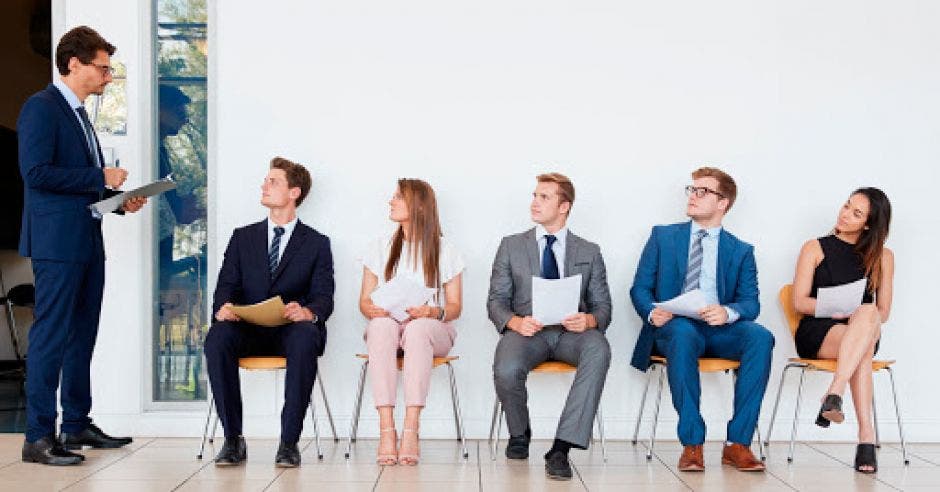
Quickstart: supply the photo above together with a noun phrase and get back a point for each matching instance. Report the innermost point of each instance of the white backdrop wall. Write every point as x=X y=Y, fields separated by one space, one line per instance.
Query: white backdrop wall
x=802 y=102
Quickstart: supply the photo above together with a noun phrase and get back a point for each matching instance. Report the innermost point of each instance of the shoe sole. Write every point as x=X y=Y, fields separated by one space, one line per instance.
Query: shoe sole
x=285 y=465
x=693 y=468
x=560 y=478
x=731 y=463
x=53 y=463
x=76 y=447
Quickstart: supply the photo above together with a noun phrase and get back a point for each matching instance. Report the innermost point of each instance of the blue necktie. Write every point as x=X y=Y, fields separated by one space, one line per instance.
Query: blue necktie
x=694 y=272
x=90 y=139
x=275 y=250
x=549 y=264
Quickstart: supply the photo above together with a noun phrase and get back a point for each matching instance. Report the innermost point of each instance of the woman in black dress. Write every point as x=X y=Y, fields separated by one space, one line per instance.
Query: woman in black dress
x=854 y=250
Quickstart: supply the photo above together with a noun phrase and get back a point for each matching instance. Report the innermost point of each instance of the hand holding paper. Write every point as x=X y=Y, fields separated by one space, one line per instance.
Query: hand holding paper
x=689 y=304
x=269 y=312
x=400 y=293
x=841 y=301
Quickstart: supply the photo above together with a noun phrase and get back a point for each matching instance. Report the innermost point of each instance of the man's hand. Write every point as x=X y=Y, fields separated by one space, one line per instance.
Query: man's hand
x=660 y=317
x=526 y=327
x=226 y=314
x=416 y=312
x=295 y=312
x=714 y=315
x=132 y=205
x=579 y=322
x=114 y=177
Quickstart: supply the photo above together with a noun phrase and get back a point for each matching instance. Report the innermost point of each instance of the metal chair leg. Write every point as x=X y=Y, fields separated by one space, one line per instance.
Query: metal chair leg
x=316 y=427
x=458 y=417
x=498 y=415
x=326 y=406
x=639 y=417
x=600 y=430
x=205 y=431
x=796 y=415
x=773 y=415
x=215 y=427
x=354 y=425
x=659 y=399
x=897 y=411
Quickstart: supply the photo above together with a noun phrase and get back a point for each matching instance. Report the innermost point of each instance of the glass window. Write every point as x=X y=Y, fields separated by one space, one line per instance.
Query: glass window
x=180 y=307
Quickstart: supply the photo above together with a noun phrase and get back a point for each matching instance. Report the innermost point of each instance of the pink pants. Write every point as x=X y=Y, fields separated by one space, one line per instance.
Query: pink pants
x=422 y=340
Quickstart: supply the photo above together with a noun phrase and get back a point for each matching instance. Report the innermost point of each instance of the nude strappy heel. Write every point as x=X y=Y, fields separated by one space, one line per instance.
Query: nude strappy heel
x=409 y=459
x=387 y=459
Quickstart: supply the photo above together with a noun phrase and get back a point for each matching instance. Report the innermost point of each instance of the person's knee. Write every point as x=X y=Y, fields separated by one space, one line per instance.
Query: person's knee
x=419 y=333
x=508 y=374
x=596 y=349
x=680 y=335
x=303 y=339
x=380 y=329
x=760 y=338
x=221 y=337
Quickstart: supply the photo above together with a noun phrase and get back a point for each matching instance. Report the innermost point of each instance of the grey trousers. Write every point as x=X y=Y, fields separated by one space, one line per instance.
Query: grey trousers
x=516 y=355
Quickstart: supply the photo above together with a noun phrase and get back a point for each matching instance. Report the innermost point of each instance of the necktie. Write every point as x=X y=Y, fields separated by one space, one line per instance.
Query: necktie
x=275 y=250
x=90 y=139
x=694 y=271
x=549 y=264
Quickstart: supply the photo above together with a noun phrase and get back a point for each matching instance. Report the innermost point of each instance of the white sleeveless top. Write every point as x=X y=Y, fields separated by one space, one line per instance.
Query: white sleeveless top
x=450 y=263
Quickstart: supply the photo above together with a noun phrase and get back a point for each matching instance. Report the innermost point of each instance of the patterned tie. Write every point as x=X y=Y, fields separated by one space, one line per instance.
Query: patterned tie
x=694 y=271
x=90 y=139
x=549 y=264
x=275 y=250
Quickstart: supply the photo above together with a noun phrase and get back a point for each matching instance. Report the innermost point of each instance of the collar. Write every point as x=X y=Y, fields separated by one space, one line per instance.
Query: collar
x=712 y=232
x=67 y=93
x=560 y=236
x=288 y=227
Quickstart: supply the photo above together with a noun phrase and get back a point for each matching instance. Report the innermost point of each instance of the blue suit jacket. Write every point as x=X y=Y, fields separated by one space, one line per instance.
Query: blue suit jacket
x=661 y=273
x=304 y=273
x=61 y=180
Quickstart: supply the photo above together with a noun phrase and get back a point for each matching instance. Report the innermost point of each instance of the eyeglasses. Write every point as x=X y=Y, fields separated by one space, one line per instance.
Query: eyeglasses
x=700 y=191
x=104 y=69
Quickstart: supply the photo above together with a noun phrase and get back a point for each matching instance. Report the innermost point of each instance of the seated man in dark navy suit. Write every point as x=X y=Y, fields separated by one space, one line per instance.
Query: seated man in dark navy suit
x=279 y=256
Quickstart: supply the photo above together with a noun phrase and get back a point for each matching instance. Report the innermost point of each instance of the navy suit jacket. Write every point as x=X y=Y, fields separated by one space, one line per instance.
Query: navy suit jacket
x=61 y=180
x=304 y=273
x=661 y=273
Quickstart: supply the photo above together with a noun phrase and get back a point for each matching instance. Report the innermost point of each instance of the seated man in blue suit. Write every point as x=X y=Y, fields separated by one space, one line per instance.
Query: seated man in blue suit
x=279 y=256
x=702 y=255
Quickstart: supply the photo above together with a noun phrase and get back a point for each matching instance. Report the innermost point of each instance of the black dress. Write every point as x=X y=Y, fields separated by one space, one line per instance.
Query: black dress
x=841 y=265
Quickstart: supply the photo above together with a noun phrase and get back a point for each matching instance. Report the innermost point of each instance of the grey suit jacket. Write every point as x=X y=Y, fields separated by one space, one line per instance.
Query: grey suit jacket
x=517 y=261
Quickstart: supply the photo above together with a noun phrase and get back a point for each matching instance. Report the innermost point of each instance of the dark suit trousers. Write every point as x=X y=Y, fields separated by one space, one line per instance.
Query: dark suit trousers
x=61 y=341
x=682 y=341
x=301 y=343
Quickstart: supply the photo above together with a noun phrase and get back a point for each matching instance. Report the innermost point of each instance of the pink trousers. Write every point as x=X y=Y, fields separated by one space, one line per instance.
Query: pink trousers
x=422 y=340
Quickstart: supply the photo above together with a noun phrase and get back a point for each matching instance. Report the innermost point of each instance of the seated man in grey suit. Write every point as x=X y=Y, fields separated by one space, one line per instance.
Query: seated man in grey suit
x=549 y=251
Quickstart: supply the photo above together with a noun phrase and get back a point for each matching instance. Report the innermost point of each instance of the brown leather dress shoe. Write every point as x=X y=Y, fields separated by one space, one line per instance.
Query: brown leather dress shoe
x=692 y=459
x=741 y=457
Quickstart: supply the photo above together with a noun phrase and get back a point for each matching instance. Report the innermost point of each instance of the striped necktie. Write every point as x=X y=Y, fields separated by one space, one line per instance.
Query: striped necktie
x=694 y=271
x=275 y=250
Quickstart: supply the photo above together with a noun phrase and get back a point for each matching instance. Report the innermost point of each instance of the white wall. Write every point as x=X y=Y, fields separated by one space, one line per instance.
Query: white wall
x=800 y=101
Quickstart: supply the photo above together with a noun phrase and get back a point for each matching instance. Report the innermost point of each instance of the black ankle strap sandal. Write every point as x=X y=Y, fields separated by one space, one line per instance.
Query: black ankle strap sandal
x=865 y=456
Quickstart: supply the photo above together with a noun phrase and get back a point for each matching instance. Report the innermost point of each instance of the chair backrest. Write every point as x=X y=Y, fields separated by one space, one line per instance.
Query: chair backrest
x=789 y=312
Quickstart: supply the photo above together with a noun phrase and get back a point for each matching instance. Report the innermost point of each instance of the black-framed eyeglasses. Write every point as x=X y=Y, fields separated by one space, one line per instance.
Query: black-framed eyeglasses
x=104 y=69
x=700 y=191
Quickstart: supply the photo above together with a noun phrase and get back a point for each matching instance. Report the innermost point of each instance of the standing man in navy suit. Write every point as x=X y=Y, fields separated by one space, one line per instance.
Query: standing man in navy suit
x=702 y=255
x=279 y=256
x=62 y=168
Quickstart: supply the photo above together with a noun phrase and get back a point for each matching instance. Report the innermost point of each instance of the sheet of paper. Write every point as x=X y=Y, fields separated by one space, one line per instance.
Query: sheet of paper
x=688 y=304
x=269 y=312
x=108 y=205
x=555 y=300
x=841 y=300
x=400 y=293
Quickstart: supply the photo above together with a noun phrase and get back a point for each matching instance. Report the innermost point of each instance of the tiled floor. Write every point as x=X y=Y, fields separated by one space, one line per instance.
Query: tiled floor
x=169 y=464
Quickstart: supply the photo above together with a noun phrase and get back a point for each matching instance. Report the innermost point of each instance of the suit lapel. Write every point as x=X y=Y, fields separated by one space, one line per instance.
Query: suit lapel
x=681 y=240
x=294 y=245
x=532 y=246
x=259 y=244
x=571 y=252
x=73 y=121
x=724 y=261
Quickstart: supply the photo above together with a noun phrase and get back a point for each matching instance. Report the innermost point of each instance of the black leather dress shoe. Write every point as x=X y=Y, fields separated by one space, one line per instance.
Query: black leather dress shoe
x=48 y=451
x=518 y=447
x=93 y=437
x=288 y=456
x=233 y=452
x=557 y=466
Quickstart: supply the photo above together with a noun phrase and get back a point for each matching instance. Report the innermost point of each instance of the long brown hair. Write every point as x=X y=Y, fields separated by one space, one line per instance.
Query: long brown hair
x=425 y=231
x=871 y=243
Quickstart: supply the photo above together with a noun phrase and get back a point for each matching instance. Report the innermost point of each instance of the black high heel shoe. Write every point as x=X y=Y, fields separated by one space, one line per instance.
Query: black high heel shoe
x=865 y=456
x=831 y=411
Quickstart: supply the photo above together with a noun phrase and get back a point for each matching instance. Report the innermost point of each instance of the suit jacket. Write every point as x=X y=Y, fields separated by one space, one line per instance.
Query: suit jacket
x=661 y=273
x=304 y=273
x=61 y=180
x=517 y=261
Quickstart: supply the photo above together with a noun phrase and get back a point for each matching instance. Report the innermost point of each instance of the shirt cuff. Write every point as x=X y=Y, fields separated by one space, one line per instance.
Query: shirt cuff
x=732 y=315
x=649 y=318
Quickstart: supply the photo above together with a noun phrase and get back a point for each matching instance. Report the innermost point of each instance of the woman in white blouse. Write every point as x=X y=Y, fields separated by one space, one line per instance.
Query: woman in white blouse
x=415 y=251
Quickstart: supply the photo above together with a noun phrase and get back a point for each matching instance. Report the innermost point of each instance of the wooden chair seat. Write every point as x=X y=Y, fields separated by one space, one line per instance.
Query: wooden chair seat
x=829 y=365
x=705 y=364
x=437 y=360
x=262 y=363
